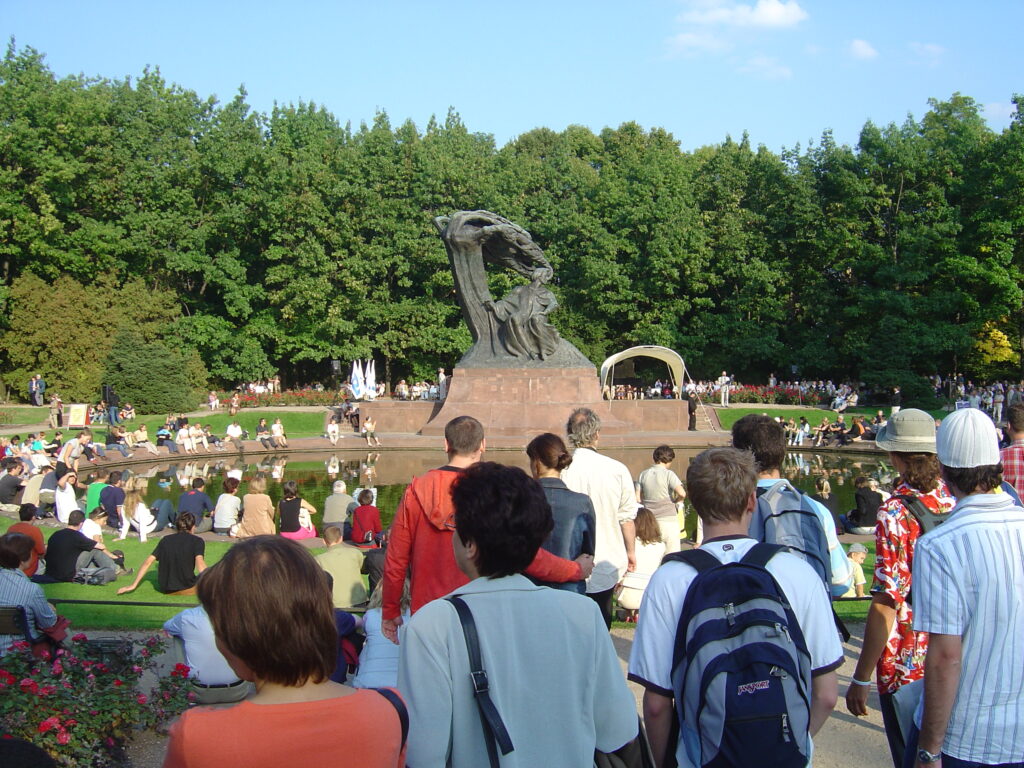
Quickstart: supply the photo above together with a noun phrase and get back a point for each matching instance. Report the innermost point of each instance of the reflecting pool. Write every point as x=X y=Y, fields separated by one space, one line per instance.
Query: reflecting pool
x=388 y=472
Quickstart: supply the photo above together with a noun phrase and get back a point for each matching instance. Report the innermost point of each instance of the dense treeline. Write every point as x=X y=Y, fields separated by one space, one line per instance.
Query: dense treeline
x=280 y=241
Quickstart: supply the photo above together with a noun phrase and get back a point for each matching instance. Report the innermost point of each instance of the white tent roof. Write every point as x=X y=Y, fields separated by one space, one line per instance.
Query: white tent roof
x=672 y=359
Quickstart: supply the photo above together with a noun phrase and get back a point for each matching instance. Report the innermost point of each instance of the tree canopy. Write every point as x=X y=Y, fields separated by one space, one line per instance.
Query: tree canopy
x=276 y=242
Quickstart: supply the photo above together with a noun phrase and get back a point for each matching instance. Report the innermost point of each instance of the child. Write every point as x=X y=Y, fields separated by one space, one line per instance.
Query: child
x=650 y=548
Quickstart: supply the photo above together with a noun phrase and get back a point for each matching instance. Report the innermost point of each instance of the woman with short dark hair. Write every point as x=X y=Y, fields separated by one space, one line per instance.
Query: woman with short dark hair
x=271 y=611
x=551 y=668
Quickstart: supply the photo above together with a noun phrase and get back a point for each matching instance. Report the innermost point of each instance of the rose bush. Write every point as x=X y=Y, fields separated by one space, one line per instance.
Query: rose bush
x=82 y=706
x=288 y=397
x=776 y=396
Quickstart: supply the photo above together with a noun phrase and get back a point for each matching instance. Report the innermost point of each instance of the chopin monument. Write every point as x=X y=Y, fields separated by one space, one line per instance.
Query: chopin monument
x=519 y=376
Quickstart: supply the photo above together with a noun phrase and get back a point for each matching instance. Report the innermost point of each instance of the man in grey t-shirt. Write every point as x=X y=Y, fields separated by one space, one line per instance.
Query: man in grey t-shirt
x=338 y=506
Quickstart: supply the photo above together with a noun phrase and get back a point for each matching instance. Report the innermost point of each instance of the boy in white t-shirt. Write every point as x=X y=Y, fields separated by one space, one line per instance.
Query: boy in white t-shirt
x=722 y=483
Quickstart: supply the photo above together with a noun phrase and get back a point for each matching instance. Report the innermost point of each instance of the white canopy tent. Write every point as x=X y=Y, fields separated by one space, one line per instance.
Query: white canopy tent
x=676 y=366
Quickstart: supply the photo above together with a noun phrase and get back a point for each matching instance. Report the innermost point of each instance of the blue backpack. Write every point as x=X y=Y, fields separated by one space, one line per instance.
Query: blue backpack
x=785 y=516
x=741 y=671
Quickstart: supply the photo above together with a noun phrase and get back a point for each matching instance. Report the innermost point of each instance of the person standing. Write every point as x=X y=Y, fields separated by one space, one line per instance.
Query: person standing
x=56 y=412
x=968 y=582
x=609 y=485
x=32 y=389
x=559 y=693
x=659 y=489
x=691 y=409
x=723 y=389
x=1012 y=456
x=892 y=648
x=722 y=484
x=420 y=543
x=113 y=407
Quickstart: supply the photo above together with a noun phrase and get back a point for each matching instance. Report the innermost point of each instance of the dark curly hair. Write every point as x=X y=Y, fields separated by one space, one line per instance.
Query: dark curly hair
x=503 y=511
x=764 y=437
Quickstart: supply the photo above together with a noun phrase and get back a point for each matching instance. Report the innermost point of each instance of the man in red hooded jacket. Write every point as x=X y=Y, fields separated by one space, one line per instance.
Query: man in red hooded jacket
x=421 y=534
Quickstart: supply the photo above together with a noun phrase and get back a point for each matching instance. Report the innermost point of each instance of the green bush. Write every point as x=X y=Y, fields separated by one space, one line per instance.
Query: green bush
x=152 y=376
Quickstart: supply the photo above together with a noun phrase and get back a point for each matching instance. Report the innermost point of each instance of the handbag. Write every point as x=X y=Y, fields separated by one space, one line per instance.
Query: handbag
x=634 y=754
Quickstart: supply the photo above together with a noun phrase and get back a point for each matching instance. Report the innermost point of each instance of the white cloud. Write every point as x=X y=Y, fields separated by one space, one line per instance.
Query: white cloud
x=999 y=112
x=862 y=49
x=766 y=68
x=763 y=13
x=694 y=43
x=929 y=53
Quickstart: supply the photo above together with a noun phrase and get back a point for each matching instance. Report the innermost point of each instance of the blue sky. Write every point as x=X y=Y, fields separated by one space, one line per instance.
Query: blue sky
x=783 y=70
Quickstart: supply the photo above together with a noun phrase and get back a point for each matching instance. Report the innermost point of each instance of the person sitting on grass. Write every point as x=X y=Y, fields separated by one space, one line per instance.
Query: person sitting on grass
x=71 y=556
x=295 y=513
x=198 y=504
x=137 y=514
x=226 y=513
x=257 y=511
x=857 y=555
x=366 y=525
x=180 y=557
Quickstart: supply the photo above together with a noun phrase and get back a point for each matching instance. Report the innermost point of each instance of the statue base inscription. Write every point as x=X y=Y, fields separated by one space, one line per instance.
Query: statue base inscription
x=522 y=401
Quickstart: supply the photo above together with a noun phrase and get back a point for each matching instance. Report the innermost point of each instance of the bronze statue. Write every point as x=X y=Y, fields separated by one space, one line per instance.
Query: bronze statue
x=513 y=331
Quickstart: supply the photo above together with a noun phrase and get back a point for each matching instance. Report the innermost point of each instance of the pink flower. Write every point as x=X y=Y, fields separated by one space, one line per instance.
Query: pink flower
x=79 y=638
x=63 y=737
x=31 y=686
x=58 y=668
x=141 y=698
x=118 y=683
x=49 y=724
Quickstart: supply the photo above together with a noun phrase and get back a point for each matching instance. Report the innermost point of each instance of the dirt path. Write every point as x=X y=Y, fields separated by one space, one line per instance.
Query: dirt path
x=843 y=740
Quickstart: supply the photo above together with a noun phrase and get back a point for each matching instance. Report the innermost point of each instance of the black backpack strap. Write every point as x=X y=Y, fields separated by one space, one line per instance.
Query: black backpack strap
x=761 y=553
x=698 y=559
x=495 y=734
x=399 y=705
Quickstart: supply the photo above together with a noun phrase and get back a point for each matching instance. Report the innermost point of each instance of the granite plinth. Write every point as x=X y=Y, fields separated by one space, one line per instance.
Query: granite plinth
x=522 y=401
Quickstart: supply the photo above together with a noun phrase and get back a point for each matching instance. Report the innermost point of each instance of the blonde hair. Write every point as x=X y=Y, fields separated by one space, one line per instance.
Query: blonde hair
x=377 y=596
x=258 y=484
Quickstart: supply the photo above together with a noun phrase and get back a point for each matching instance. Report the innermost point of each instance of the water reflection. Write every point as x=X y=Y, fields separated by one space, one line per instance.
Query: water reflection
x=389 y=472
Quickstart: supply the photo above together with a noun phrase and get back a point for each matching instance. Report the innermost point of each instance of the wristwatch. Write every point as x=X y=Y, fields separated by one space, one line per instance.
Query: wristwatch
x=925 y=757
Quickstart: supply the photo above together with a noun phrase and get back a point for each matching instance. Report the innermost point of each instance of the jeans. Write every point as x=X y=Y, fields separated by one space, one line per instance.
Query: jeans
x=106 y=568
x=123 y=450
x=112 y=415
x=164 y=512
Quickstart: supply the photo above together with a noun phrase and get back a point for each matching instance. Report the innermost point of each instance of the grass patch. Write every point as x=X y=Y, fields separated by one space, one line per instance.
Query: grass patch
x=729 y=416
x=296 y=423
x=126 y=616
x=17 y=415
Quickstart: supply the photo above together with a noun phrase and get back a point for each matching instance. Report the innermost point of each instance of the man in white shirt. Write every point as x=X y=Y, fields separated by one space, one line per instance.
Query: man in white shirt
x=723 y=388
x=968 y=581
x=234 y=434
x=609 y=485
x=722 y=484
x=213 y=680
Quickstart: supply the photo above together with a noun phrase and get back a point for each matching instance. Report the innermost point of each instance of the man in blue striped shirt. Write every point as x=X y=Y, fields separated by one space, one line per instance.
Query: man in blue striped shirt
x=968 y=582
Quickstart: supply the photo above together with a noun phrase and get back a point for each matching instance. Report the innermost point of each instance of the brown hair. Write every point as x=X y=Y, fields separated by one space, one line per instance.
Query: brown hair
x=764 y=437
x=969 y=480
x=1015 y=417
x=464 y=435
x=664 y=454
x=921 y=470
x=366 y=497
x=15 y=549
x=720 y=481
x=549 y=450
x=230 y=484
x=270 y=606
x=332 y=534
x=647 y=528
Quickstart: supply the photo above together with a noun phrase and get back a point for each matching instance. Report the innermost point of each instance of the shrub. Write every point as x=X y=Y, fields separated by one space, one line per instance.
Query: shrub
x=152 y=376
x=776 y=396
x=80 y=705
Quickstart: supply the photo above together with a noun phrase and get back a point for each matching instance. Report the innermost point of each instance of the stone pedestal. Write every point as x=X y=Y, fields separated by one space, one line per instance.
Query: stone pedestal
x=522 y=401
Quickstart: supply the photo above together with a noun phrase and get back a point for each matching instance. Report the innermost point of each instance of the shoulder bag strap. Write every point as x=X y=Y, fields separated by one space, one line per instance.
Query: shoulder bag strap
x=495 y=734
x=399 y=705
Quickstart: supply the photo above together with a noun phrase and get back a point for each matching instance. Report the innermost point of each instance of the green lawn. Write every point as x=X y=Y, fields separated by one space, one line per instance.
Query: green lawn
x=296 y=423
x=729 y=416
x=16 y=415
x=123 y=616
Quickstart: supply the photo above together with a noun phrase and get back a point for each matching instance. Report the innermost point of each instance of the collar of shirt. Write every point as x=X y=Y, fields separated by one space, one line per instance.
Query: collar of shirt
x=483 y=585
x=980 y=504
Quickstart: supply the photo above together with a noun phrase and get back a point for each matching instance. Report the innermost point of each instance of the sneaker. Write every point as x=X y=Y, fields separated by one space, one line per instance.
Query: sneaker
x=125 y=571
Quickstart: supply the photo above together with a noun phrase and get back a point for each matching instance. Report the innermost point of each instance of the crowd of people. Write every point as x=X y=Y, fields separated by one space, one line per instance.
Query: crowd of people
x=563 y=547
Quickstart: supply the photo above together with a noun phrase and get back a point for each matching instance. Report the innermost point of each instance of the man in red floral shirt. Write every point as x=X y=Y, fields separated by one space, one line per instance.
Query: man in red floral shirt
x=891 y=646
